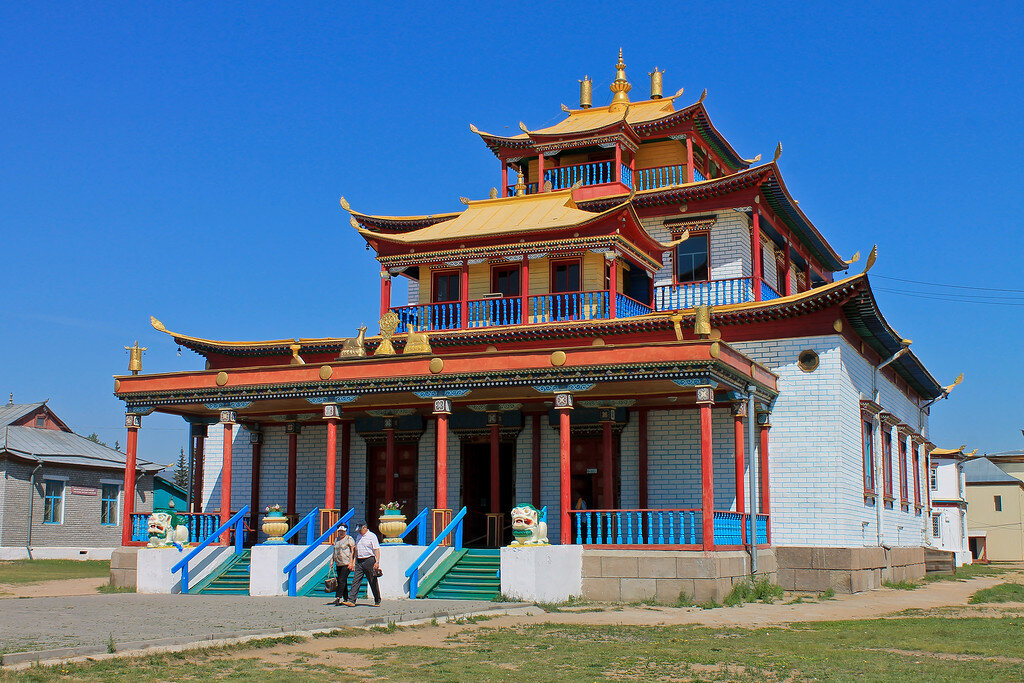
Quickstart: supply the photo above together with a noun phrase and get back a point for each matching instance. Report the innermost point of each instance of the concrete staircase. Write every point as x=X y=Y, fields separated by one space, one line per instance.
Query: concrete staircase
x=466 y=575
x=231 y=578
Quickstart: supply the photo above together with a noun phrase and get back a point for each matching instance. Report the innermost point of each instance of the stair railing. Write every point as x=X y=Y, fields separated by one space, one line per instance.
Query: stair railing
x=237 y=521
x=308 y=522
x=420 y=524
x=291 y=569
x=413 y=572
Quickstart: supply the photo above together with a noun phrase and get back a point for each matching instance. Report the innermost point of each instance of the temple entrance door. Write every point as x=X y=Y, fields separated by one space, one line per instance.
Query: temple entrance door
x=476 y=490
x=406 y=465
x=586 y=470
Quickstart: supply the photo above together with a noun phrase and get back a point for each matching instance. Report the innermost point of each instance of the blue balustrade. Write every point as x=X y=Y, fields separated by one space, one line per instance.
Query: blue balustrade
x=291 y=569
x=662 y=176
x=446 y=315
x=636 y=527
x=762 y=529
x=140 y=527
x=713 y=293
x=626 y=176
x=547 y=308
x=308 y=523
x=495 y=311
x=627 y=307
x=768 y=292
x=454 y=529
x=590 y=173
x=729 y=528
x=419 y=523
x=199 y=524
x=698 y=176
x=237 y=521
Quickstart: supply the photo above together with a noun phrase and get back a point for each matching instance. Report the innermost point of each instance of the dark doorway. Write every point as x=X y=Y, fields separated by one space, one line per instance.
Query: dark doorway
x=476 y=490
x=586 y=468
x=406 y=466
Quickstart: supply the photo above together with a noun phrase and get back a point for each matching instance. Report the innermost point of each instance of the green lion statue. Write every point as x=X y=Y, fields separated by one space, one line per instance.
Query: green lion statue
x=529 y=526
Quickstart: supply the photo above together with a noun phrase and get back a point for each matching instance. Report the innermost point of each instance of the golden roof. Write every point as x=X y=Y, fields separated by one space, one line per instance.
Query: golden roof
x=528 y=213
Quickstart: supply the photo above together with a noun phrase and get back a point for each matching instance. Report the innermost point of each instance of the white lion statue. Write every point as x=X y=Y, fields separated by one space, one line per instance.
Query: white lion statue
x=165 y=529
x=529 y=526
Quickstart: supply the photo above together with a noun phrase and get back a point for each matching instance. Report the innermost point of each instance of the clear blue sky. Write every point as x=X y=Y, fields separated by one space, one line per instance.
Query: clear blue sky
x=185 y=160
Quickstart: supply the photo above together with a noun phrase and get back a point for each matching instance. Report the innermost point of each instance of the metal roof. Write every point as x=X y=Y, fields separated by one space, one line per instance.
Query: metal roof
x=984 y=471
x=15 y=411
x=64 y=448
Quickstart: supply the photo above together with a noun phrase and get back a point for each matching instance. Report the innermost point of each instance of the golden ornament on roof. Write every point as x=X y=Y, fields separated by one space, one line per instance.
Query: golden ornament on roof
x=620 y=87
x=586 y=93
x=656 y=84
x=135 y=357
x=388 y=324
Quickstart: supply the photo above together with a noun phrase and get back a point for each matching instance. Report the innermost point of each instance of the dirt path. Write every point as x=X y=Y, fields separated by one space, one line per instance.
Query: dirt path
x=56 y=589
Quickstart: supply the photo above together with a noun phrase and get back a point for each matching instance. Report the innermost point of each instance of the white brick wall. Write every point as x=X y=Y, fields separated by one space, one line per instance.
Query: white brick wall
x=730 y=246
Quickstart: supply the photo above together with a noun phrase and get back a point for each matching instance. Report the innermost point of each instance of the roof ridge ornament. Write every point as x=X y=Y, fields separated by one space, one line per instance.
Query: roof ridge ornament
x=871 y=258
x=586 y=93
x=702 y=96
x=566 y=109
x=620 y=87
x=656 y=83
x=344 y=203
x=752 y=161
x=778 y=152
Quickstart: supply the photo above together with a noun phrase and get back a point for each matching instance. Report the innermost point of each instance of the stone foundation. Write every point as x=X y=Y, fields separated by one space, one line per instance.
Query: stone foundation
x=662 y=575
x=123 y=565
x=847 y=570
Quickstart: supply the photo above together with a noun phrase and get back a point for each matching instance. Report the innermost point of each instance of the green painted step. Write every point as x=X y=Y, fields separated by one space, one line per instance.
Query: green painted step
x=472 y=576
x=231 y=578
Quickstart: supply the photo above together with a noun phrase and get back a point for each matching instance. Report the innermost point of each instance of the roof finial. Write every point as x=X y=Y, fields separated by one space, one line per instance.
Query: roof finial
x=620 y=86
x=656 y=83
x=521 y=184
x=11 y=401
x=586 y=93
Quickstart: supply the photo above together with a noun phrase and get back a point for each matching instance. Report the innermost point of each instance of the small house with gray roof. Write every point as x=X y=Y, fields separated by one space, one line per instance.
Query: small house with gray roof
x=995 y=509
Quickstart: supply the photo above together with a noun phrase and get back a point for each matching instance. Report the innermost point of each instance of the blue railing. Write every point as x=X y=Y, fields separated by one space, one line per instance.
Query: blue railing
x=768 y=292
x=413 y=572
x=729 y=528
x=698 y=176
x=495 y=311
x=546 y=308
x=237 y=521
x=762 y=528
x=590 y=173
x=291 y=567
x=627 y=306
x=735 y=290
x=637 y=527
x=420 y=524
x=531 y=188
x=308 y=523
x=662 y=176
x=626 y=176
x=429 y=317
x=200 y=525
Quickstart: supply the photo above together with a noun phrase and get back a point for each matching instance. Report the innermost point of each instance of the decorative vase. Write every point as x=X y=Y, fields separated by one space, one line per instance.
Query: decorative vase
x=391 y=525
x=275 y=526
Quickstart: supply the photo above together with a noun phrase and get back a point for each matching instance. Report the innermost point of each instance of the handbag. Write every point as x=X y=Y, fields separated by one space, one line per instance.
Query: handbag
x=331 y=582
x=379 y=572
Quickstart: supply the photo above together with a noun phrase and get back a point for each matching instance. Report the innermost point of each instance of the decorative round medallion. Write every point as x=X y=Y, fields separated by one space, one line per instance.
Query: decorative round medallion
x=209 y=366
x=558 y=358
x=222 y=378
x=326 y=371
x=117 y=385
x=808 y=360
x=597 y=342
x=436 y=365
x=715 y=334
x=838 y=325
x=491 y=348
x=715 y=350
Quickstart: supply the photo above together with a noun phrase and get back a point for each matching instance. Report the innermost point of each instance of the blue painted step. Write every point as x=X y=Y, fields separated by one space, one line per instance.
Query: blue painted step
x=231 y=578
x=475 y=576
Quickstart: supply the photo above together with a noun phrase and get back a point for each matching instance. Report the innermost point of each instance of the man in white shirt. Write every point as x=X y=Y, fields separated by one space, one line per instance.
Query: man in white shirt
x=367 y=564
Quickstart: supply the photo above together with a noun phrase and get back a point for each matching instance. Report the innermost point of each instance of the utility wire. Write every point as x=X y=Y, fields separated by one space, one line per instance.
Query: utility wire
x=938 y=284
x=949 y=299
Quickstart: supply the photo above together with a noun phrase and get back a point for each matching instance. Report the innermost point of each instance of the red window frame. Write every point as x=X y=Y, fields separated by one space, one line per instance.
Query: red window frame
x=903 y=471
x=675 y=266
x=867 y=433
x=917 y=478
x=887 y=463
x=506 y=268
x=562 y=262
x=447 y=272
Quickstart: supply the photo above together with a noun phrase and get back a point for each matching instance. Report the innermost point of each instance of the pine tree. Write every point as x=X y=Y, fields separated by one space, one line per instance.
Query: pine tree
x=181 y=470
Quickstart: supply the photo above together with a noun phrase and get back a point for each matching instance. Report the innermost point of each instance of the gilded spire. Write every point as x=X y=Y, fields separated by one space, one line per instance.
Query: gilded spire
x=620 y=86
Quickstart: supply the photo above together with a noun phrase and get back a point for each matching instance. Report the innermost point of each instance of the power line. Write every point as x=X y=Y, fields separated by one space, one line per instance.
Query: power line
x=966 y=297
x=939 y=284
x=949 y=299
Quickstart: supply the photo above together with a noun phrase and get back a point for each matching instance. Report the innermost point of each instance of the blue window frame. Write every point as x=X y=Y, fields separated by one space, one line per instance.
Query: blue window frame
x=53 y=501
x=109 y=494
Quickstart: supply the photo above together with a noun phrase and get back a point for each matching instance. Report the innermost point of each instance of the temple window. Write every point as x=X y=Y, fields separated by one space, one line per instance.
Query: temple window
x=565 y=276
x=446 y=286
x=692 y=262
x=109 y=494
x=505 y=280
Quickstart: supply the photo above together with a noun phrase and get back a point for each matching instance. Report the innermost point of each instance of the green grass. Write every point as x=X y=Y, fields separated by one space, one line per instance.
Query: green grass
x=34 y=571
x=761 y=590
x=1004 y=592
x=971 y=571
x=107 y=588
x=987 y=649
x=901 y=585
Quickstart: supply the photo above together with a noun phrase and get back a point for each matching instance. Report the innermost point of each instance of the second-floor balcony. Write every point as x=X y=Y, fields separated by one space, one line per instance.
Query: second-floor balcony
x=603 y=173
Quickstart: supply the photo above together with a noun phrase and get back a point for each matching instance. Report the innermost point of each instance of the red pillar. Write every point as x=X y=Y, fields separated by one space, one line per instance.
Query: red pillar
x=755 y=254
x=617 y=171
x=766 y=507
x=504 y=179
x=613 y=267
x=738 y=413
x=132 y=422
x=563 y=404
x=607 y=464
x=642 y=457
x=199 y=462
x=330 y=468
x=464 y=296
x=524 y=288
x=256 y=439
x=385 y=291
x=346 y=461
x=535 y=461
x=442 y=408
x=495 y=422
x=788 y=286
x=689 y=159
x=540 y=173
x=293 y=464
x=389 y=462
x=227 y=418
x=705 y=397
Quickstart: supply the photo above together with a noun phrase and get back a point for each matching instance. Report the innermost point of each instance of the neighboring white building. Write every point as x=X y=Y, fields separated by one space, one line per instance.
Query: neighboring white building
x=948 y=487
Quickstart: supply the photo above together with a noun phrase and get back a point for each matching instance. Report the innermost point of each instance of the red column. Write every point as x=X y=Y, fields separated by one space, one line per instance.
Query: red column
x=442 y=408
x=563 y=404
x=346 y=461
x=540 y=173
x=617 y=171
x=385 y=291
x=788 y=286
x=739 y=412
x=330 y=468
x=755 y=254
x=613 y=275
x=766 y=507
x=642 y=456
x=495 y=422
x=689 y=159
x=535 y=461
x=389 y=462
x=256 y=439
x=132 y=422
x=705 y=397
x=504 y=179
x=227 y=418
x=199 y=462
x=524 y=288
x=607 y=464
x=293 y=464
x=464 y=296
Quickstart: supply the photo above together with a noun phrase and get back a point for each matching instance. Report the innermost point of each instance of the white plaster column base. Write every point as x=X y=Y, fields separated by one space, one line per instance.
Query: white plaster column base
x=551 y=573
x=153 y=568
